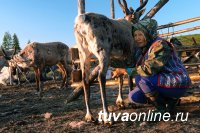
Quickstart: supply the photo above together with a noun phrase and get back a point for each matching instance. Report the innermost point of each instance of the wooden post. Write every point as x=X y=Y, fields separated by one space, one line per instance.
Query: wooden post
x=112 y=9
x=74 y=54
x=178 y=23
x=155 y=9
x=180 y=31
x=81 y=6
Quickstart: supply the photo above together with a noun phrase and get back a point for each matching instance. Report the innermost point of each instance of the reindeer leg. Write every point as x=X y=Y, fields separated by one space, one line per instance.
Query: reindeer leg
x=64 y=75
x=18 y=76
x=130 y=83
x=65 y=80
x=119 y=101
x=85 y=67
x=38 y=81
x=54 y=75
x=10 y=76
x=104 y=63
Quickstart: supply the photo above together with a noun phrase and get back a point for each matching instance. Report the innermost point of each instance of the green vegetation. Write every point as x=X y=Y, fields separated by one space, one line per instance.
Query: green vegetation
x=16 y=42
x=187 y=39
x=10 y=42
x=7 y=41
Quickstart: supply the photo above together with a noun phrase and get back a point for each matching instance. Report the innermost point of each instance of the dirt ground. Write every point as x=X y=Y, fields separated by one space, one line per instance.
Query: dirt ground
x=21 y=110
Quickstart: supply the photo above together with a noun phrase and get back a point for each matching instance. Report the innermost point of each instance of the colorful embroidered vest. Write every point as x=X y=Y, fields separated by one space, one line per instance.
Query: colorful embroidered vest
x=174 y=74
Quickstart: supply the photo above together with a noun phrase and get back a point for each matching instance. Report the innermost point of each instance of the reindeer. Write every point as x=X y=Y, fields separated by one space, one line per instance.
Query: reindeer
x=39 y=55
x=6 y=56
x=110 y=41
x=5 y=61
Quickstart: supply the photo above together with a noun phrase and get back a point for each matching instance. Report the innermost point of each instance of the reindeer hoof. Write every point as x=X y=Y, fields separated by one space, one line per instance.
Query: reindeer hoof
x=109 y=123
x=89 y=118
x=120 y=104
x=108 y=120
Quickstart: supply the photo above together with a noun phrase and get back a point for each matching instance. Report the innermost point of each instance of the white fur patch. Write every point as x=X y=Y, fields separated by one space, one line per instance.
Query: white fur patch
x=4 y=76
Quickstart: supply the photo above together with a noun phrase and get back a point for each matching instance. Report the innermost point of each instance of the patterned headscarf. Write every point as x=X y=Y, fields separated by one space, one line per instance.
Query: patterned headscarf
x=148 y=27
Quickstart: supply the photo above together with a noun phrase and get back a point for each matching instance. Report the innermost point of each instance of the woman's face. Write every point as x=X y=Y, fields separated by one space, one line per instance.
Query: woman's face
x=139 y=38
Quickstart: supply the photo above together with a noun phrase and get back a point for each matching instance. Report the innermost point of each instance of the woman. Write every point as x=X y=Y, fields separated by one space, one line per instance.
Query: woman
x=161 y=77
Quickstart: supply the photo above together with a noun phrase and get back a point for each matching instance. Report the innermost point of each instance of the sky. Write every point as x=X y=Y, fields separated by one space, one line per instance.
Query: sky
x=53 y=20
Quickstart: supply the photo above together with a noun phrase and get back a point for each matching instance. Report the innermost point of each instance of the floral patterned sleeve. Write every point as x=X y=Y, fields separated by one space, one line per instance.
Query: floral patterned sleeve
x=157 y=58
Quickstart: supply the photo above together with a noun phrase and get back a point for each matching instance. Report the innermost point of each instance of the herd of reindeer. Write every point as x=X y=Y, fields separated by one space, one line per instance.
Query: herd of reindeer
x=109 y=40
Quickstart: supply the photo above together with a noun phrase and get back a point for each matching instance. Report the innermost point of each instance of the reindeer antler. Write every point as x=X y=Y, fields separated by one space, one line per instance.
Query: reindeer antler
x=131 y=14
x=124 y=7
x=4 y=54
x=142 y=4
x=14 y=52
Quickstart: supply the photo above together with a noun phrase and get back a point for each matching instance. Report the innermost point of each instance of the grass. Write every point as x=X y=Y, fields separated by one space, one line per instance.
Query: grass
x=187 y=39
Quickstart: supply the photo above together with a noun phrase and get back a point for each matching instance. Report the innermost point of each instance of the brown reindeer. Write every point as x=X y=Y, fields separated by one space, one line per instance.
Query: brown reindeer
x=110 y=41
x=39 y=55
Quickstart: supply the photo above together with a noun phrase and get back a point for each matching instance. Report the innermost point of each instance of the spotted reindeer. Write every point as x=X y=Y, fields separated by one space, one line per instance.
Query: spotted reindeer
x=110 y=41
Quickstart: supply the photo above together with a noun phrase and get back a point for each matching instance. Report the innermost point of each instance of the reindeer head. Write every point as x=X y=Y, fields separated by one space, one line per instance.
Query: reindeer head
x=22 y=60
x=131 y=14
x=6 y=56
x=9 y=59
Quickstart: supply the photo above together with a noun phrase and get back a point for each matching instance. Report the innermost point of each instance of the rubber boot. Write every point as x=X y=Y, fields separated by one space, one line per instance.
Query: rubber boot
x=158 y=101
x=171 y=105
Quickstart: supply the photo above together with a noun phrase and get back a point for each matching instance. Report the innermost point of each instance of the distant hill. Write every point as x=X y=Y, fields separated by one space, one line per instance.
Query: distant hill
x=187 y=39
